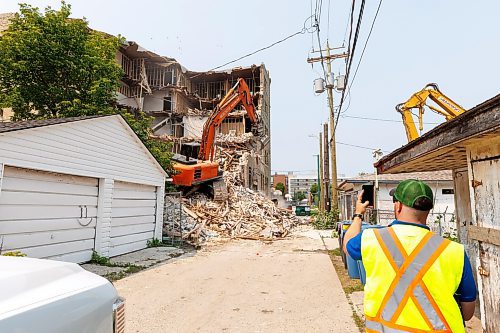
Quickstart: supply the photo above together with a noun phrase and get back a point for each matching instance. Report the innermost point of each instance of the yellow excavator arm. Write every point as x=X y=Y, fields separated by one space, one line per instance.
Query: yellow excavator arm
x=449 y=109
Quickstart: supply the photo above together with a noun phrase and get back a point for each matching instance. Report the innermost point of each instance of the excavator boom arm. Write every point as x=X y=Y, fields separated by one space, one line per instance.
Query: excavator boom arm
x=449 y=109
x=239 y=93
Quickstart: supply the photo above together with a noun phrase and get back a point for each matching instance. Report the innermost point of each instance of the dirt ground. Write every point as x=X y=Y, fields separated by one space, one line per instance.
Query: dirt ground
x=242 y=286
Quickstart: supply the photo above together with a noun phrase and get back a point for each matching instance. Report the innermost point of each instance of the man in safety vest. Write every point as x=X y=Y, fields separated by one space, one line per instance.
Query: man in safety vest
x=416 y=281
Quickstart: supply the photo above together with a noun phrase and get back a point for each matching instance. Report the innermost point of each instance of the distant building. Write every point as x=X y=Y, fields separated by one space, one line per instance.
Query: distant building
x=301 y=183
x=276 y=178
x=441 y=183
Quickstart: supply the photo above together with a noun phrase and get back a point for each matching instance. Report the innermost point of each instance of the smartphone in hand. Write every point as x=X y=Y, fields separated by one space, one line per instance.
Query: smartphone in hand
x=368 y=194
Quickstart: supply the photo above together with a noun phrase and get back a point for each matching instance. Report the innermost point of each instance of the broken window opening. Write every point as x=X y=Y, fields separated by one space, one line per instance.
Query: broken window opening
x=216 y=90
x=132 y=67
x=160 y=77
x=201 y=89
x=168 y=103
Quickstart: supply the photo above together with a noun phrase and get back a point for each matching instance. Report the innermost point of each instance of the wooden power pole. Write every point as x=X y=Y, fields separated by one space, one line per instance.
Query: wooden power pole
x=333 y=154
x=329 y=58
x=326 y=177
x=321 y=184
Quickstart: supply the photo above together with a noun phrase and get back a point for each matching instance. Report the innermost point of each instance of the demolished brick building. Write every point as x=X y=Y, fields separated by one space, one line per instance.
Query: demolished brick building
x=181 y=100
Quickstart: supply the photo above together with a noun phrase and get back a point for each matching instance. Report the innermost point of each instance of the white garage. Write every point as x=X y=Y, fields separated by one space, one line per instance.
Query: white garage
x=72 y=186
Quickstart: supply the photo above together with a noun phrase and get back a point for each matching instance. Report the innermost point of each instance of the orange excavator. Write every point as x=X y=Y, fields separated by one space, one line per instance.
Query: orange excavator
x=202 y=173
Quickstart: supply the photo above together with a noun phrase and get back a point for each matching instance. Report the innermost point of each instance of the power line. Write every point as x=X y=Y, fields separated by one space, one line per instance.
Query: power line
x=300 y=32
x=361 y=57
x=351 y=53
x=361 y=147
x=328 y=26
x=366 y=43
x=379 y=119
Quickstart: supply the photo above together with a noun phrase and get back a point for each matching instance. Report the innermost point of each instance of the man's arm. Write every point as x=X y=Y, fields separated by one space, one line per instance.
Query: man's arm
x=355 y=227
x=468 y=309
x=467 y=290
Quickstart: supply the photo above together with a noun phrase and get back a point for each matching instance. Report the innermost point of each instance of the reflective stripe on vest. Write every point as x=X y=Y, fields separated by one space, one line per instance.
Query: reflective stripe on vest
x=408 y=283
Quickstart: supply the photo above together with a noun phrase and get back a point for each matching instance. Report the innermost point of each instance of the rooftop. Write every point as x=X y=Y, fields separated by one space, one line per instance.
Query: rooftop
x=22 y=125
x=443 y=175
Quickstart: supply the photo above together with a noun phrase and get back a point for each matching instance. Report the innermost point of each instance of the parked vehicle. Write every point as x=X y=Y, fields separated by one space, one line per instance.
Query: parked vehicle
x=303 y=210
x=52 y=296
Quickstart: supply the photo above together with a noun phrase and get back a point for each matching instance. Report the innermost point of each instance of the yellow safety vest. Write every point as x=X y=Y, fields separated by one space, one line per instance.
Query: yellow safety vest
x=411 y=276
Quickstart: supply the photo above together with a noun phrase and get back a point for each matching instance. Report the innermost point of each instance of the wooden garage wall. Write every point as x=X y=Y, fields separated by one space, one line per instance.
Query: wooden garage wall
x=133 y=217
x=484 y=179
x=40 y=214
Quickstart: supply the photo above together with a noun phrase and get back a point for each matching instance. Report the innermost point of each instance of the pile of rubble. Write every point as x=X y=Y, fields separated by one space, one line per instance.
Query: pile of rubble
x=246 y=214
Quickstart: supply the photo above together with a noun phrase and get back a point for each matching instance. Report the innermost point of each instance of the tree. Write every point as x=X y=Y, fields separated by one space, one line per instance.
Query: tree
x=54 y=66
x=314 y=188
x=280 y=187
x=299 y=195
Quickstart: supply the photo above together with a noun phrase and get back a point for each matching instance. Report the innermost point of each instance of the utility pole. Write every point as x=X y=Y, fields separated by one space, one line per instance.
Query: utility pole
x=329 y=58
x=321 y=184
x=318 y=192
x=326 y=177
x=333 y=154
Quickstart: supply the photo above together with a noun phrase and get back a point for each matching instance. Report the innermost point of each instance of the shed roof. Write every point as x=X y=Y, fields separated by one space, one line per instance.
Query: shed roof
x=444 y=175
x=443 y=148
x=21 y=125
x=30 y=124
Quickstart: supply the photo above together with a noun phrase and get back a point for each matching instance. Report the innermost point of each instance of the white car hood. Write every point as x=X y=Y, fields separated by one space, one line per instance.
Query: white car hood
x=25 y=282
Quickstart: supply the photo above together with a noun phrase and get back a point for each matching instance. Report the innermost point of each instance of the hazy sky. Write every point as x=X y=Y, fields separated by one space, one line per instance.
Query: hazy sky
x=452 y=43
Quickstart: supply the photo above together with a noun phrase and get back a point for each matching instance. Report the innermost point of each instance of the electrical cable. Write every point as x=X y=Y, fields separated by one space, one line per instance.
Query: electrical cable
x=366 y=43
x=328 y=22
x=351 y=57
x=379 y=119
x=300 y=32
x=361 y=147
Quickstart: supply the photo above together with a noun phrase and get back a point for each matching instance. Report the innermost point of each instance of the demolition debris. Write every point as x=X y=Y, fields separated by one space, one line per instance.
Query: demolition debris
x=246 y=214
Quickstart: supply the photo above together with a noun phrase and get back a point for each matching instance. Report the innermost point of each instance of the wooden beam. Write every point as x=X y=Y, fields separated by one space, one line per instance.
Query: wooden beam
x=487 y=235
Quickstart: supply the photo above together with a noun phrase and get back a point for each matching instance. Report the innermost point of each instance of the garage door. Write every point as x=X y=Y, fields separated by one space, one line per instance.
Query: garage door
x=48 y=215
x=133 y=217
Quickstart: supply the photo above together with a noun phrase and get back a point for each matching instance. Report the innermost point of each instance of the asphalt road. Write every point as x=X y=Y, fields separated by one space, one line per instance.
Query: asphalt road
x=242 y=286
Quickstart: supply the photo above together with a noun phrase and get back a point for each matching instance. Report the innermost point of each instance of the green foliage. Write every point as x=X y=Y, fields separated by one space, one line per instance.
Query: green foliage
x=155 y=242
x=54 y=66
x=14 y=254
x=100 y=260
x=314 y=188
x=141 y=124
x=299 y=195
x=280 y=187
x=335 y=252
x=325 y=220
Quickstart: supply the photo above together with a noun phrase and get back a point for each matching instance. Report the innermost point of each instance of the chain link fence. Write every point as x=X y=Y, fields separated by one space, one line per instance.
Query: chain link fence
x=173 y=219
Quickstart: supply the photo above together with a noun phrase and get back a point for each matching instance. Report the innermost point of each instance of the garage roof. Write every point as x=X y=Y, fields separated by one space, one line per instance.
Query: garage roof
x=31 y=124
x=443 y=148
x=21 y=125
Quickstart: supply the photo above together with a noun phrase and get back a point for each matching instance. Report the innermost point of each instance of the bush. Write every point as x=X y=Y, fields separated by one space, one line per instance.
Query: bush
x=325 y=220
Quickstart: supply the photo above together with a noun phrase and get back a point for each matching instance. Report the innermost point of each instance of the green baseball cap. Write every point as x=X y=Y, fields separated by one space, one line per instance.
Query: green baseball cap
x=411 y=190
